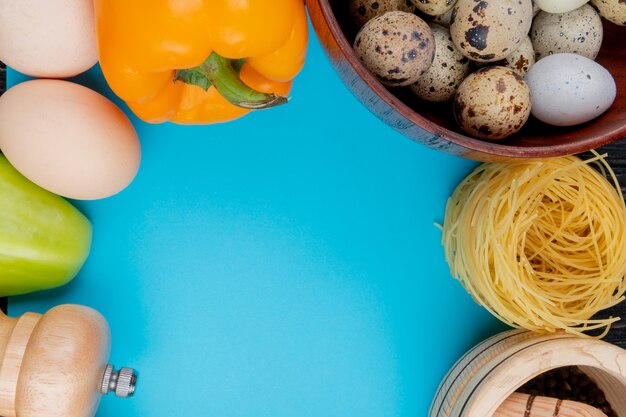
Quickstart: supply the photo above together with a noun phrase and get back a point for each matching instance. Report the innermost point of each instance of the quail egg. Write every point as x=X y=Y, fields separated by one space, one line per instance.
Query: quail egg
x=613 y=10
x=447 y=72
x=536 y=8
x=434 y=7
x=489 y=31
x=363 y=11
x=397 y=47
x=443 y=19
x=578 y=32
x=492 y=103
x=522 y=59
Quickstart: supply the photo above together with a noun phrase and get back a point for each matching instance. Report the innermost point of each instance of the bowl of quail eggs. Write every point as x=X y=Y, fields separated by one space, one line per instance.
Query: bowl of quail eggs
x=484 y=79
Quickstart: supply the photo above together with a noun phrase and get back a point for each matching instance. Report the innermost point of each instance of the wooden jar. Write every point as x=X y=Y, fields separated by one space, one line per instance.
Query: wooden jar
x=490 y=372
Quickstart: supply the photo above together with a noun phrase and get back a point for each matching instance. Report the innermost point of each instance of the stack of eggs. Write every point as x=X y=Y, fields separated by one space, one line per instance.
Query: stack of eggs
x=498 y=61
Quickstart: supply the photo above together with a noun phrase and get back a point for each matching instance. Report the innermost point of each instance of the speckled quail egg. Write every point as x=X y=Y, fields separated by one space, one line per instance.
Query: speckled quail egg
x=489 y=31
x=536 y=8
x=447 y=72
x=613 y=10
x=522 y=59
x=434 y=7
x=492 y=103
x=559 y=6
x=363 y=11
x=578 y=32
x=443 y=19
x=397 y=47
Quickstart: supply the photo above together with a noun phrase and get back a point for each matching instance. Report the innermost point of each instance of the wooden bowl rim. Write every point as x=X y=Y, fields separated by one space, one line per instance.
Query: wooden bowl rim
x=492 y=148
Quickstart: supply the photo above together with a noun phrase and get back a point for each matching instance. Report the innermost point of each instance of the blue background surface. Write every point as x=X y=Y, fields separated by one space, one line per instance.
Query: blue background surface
x=286 y=264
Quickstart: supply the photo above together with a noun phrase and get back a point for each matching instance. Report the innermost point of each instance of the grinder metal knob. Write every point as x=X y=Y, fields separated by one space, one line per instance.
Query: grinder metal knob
x=121 y=382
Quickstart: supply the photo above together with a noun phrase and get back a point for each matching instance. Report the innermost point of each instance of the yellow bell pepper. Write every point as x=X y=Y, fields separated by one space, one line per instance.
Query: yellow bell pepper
x=200 y=61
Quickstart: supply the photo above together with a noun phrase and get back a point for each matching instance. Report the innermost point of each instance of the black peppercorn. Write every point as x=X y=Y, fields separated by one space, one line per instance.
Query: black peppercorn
x=568 y=383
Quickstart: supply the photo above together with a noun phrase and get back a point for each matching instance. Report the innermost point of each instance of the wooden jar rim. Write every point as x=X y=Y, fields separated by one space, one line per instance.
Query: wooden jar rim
x=483 y=378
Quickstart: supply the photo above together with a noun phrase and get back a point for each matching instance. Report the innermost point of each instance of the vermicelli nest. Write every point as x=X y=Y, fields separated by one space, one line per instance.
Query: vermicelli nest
x=541 y=244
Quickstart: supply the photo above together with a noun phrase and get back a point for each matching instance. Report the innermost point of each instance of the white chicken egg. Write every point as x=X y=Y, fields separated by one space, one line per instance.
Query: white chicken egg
x=569 y=89
x=48 y=39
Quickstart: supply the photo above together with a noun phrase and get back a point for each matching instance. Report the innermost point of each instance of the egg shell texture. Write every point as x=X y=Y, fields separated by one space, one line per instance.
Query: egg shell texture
x=68 y=139
x=579 y=32
x=447 y=72
x=443 y=19
x=48 y=39
x=434 y=7
x=559 y=6
x=492 y=103
x=612 y=10
x=396 y=47
x=536 y=8
x=362 y=11
x=569 y=89
x=522 y=60
x=490 y=30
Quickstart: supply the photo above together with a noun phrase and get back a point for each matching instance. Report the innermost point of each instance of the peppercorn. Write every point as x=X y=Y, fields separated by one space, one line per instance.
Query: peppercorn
x=569 y=383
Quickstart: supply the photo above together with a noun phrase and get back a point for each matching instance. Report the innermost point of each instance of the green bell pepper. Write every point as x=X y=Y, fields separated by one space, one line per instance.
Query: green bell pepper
x=44 y=240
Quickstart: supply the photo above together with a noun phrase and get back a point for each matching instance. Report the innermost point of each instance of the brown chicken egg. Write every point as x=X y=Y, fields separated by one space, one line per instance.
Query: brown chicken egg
x=48 y=39
x=68 y=139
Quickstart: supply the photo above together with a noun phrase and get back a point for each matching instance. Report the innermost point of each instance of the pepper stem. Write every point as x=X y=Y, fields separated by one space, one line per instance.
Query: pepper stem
x=223 y=74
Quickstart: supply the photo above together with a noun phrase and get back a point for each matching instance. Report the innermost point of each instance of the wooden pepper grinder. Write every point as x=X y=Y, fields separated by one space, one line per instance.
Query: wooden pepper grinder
x=55 y=365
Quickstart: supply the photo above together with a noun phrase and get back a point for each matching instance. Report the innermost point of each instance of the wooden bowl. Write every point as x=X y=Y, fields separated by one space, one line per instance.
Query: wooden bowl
x=489 y=373
x=433 y=124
